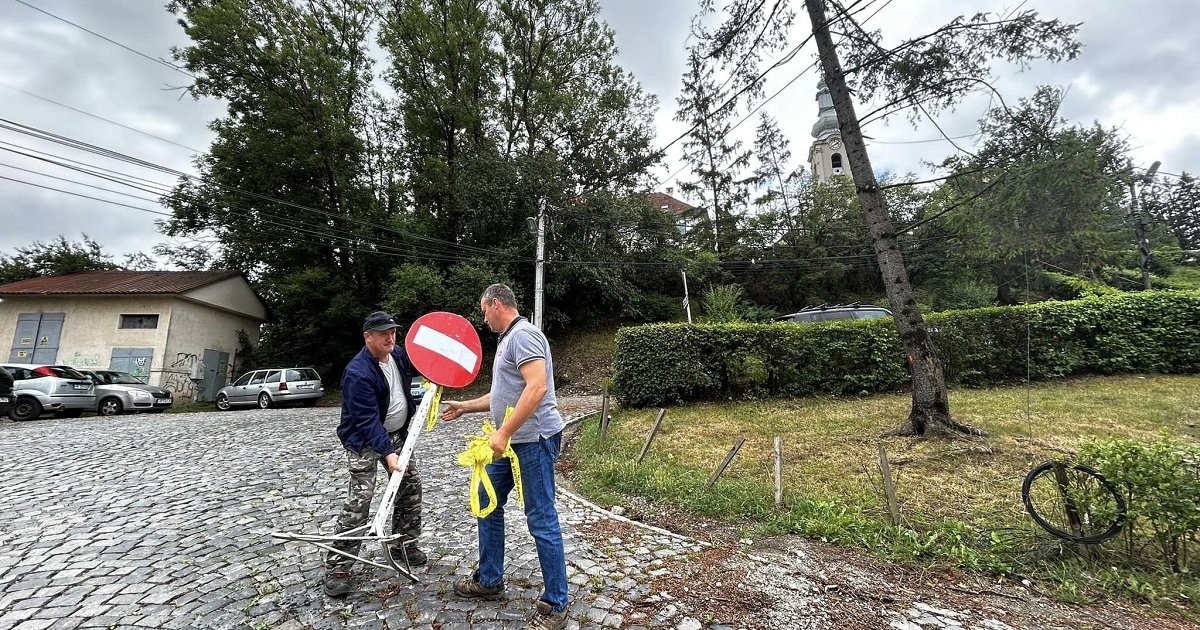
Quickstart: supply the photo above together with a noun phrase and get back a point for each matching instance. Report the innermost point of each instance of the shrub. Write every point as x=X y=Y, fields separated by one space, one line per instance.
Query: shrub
x=1151 y=332
x=1162 y=493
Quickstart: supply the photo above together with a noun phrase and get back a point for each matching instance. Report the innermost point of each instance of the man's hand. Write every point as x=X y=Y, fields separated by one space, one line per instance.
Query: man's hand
x=393 y=462
x=454 y=409
x=498 y=440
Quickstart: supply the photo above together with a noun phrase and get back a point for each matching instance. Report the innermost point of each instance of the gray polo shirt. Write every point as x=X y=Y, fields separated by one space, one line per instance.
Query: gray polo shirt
x=523 y=342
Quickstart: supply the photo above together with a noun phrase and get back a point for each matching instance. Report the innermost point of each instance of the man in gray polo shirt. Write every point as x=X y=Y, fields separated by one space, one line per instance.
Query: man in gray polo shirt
x=523 y=379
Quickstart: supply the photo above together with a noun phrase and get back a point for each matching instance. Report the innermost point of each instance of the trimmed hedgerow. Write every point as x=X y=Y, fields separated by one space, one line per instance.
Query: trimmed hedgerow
x=1149 y=332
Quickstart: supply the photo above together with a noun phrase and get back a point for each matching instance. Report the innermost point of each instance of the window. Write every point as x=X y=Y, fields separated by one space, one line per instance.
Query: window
x=273 y=376
x=257 y=379
x=244 y=379
x=139 y=322
x=836 y=160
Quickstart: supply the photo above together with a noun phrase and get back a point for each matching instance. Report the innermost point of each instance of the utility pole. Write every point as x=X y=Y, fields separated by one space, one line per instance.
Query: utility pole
x=538 y=276
x=687 y=306
x=1139 y=228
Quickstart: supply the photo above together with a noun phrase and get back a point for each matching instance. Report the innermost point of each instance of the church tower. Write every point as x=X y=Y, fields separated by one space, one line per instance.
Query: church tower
x=826 y=157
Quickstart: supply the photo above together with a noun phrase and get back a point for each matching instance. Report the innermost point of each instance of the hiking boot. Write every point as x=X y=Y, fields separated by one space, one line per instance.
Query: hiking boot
x=470 y=587
x=337 y=583
x=546 y=619
x=416 y=557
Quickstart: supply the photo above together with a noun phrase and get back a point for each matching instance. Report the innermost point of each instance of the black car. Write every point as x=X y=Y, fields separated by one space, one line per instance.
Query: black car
x=6 y=391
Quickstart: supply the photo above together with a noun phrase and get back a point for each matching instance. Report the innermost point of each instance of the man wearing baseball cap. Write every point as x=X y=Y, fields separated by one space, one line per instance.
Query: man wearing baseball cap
x=376 y=410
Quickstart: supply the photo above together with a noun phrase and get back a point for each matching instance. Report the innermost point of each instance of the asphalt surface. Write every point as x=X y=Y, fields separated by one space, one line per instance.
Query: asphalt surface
x=163 y=521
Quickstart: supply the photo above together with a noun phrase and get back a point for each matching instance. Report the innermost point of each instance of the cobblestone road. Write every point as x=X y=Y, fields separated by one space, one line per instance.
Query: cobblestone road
x=162 y=521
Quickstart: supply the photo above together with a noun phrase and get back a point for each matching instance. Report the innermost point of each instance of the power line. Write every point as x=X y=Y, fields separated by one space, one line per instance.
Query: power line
x=97 y=117
x=111 y=41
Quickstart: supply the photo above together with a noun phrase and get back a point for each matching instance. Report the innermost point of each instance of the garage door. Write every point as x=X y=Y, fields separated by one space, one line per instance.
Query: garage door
x=37 y=338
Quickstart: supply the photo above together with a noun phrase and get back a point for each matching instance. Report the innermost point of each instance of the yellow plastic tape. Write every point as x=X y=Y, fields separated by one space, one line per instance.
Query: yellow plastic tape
x=477 y=456
x=432 y=418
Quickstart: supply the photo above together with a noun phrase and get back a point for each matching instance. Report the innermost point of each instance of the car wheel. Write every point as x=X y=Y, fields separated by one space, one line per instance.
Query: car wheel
x=110 y=407
x=264 y=401
x=25 y=409
x=222 y=402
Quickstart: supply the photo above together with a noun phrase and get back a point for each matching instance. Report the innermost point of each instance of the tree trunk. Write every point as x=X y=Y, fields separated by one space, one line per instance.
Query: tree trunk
x=930 y=413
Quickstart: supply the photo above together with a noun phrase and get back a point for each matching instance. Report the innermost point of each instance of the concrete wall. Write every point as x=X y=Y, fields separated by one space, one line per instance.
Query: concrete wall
x=194 y=329
x=91 y=328
x=232 y=294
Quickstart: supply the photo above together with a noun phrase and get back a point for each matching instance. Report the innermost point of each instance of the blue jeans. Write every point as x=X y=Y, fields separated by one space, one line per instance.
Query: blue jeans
x=537 y=478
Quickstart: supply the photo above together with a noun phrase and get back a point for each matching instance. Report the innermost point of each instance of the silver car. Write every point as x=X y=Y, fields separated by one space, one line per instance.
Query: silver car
x=271 y=387
x=57 y=389
x=122 y=392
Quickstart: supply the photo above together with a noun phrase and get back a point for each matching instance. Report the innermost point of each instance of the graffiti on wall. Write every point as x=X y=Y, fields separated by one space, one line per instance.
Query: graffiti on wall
x=79 y=359
x=181 y=380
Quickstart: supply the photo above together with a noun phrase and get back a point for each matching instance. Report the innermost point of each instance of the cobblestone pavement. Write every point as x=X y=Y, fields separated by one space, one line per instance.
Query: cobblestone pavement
x=163 y=521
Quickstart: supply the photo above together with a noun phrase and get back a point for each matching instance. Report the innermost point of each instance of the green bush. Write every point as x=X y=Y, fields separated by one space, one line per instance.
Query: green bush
x=1150 y=332
x=1161 y=487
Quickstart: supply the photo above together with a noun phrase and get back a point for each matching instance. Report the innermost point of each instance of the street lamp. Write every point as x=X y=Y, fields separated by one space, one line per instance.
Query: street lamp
x=1140 y=225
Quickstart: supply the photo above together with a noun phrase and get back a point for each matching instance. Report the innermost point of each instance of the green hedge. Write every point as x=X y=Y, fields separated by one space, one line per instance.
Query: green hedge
x=1139 y=332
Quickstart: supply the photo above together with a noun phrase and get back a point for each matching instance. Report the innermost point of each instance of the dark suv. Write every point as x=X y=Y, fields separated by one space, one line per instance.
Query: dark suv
x=6 y=391
x=827 y=313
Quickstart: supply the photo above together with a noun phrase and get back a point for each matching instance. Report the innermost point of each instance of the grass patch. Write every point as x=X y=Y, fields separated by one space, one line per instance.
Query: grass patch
x=959 y=500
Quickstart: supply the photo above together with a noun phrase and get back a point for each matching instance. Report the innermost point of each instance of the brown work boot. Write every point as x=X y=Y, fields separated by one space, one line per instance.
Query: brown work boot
x=470 y=587
x=546 y=619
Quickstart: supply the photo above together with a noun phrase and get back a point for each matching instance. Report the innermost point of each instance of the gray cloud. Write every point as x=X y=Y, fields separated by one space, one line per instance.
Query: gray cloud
x=1135 y=73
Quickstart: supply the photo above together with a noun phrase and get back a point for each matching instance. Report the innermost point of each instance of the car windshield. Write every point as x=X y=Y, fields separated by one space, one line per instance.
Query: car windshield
x=121 y=378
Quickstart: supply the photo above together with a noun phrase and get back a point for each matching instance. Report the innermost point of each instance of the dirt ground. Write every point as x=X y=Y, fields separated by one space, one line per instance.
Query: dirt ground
x=792 y=582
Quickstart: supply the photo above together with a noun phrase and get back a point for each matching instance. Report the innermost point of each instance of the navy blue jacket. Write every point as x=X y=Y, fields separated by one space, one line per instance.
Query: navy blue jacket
x=365 y=398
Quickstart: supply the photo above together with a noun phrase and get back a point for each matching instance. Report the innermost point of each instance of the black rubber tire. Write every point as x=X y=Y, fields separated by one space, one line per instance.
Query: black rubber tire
x=24 y=409
x=264 y=401
x=1103 y=516
x=110 y=406
x=223 y=402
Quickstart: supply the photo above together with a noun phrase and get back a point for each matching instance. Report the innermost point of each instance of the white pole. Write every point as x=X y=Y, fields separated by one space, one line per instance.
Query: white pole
x=538 y=278
x=686 y=304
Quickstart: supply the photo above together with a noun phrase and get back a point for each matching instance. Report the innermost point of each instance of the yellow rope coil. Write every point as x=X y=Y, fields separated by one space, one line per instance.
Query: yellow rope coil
x=477 y=456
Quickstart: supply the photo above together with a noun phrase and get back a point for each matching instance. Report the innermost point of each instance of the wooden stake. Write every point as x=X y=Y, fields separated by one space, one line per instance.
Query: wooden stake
x=604 y=416
x=725 y=464
x=888 y=488
x=778 y=472
x=650 y=437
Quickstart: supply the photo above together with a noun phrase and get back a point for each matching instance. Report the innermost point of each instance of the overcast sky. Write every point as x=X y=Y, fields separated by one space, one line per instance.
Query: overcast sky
x=1137 y=73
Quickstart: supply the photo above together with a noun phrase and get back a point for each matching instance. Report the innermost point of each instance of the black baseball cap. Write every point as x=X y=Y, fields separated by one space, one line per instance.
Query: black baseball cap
x=379 y=320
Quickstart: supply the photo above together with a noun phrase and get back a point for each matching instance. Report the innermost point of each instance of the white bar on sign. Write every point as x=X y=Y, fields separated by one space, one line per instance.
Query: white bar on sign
x=446 y=346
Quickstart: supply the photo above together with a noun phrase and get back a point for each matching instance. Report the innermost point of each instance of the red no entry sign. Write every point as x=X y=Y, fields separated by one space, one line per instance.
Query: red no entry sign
x=445 y=348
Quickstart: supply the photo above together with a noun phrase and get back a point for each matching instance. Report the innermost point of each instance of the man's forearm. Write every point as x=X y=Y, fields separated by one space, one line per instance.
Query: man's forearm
x=483 y=403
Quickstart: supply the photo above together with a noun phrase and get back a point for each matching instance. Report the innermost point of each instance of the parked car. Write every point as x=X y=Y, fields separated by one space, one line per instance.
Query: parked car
x=271 y=387
x=826 y=313
x=417 y=391
x=6 y=391
x=58 y=389
x=122 y=392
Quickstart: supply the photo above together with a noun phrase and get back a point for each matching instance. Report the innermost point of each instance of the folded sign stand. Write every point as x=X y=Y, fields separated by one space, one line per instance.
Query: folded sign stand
x=445 y=348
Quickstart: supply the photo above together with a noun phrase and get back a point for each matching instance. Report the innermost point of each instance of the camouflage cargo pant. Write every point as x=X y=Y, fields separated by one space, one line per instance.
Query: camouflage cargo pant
x=406 y=515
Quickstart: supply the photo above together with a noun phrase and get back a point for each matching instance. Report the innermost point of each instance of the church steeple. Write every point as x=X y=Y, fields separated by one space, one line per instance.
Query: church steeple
x=826 y=118
x=825 y=156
